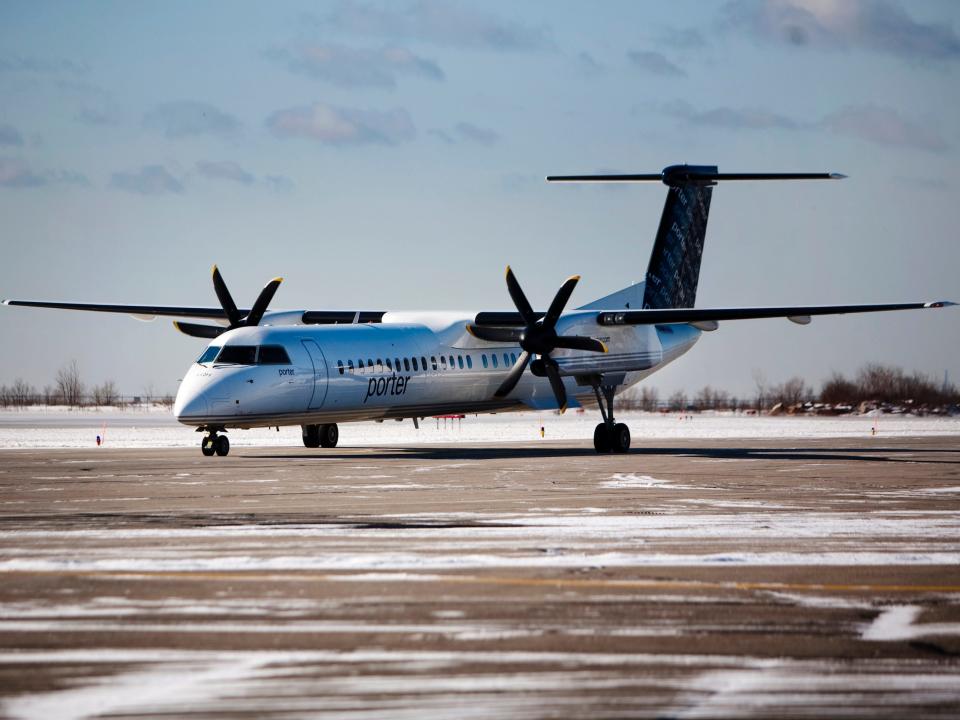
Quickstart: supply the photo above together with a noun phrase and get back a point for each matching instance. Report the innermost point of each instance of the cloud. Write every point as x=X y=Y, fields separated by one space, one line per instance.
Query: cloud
x=355 y=67
x=588 y=65
x=883 y=126
x=472 y=133
x=187 y=118
x=58 y=66
x=224 y=170
x=90 y=115
x=15 y=173
x=148 y=180
x=9 y=135
x=333 y=125
x=682 y=38
x=433 y=21
x=729 y=117
x=278 y=183
x=876 y=25
x=655 y=63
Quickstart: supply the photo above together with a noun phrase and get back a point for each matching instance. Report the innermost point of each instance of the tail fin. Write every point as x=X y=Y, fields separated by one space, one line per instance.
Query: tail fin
x=674 y=268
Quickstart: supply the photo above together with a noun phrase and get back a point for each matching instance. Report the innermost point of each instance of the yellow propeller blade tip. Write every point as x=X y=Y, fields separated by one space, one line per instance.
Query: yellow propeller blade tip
x=563 y=409
x=574 y=277
x=469 y=331
x=605 y=348
x=213 y=270
x=277 y=280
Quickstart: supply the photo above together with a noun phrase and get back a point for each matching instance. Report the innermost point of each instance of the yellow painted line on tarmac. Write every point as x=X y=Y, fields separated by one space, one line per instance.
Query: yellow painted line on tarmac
x=558 y=583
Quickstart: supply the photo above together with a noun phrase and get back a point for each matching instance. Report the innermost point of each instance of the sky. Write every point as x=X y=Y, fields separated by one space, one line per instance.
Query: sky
x=391 y=156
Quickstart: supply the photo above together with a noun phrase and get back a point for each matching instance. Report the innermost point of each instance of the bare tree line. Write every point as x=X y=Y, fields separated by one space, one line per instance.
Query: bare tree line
x=873 y=386
x=68 y=388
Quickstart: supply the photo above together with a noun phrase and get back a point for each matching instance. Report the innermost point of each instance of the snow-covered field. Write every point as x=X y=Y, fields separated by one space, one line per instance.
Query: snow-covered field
x=156 y=427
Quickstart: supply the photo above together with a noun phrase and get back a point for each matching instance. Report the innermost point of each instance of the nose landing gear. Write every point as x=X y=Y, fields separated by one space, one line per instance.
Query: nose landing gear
x=214 y=444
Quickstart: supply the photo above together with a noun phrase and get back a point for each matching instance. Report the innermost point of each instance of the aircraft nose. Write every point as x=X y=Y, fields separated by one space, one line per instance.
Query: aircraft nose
x=190 y=405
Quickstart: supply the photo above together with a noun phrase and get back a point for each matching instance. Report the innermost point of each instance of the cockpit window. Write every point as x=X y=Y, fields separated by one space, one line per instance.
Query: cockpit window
x=273 y=355
x=238 y=355
x=209 y=354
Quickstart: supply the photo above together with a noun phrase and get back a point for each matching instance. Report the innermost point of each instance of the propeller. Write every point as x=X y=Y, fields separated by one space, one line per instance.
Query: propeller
x=537 y=337
x=234 y=316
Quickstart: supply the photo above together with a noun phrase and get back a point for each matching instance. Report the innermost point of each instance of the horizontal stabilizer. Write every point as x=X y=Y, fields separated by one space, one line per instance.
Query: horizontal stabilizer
x=675 y=175
x=709 y=315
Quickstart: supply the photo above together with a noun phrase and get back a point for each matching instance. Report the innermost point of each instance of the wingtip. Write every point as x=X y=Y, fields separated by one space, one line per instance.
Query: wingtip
x=837 y=176
x=940 y=304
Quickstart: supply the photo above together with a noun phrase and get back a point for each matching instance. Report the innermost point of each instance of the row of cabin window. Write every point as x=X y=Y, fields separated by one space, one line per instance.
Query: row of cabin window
x=411 y=364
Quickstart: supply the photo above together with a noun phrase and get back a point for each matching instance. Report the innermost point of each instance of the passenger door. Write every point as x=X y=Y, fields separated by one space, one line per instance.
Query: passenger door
x=319 y=375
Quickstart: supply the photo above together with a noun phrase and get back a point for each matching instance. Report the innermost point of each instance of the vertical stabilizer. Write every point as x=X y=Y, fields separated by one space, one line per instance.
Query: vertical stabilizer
x=674 y=267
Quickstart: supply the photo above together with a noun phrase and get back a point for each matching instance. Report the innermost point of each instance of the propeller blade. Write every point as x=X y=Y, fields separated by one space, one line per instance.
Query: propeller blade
x=226 y=301
x=578 y=342
x=263 y=300
x=514 y=376
x=559 y=391
x=200 y=331
x=560 y=301
x=519 y=299
x=496 y=334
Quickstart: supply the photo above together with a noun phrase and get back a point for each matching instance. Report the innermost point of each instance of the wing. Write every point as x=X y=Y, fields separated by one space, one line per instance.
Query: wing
x=143 y=312
x=707 y=318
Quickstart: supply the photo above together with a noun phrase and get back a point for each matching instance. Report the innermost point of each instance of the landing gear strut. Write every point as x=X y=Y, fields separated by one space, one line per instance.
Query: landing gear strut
x=609 y=436
x=214 y=443
x=320 y=435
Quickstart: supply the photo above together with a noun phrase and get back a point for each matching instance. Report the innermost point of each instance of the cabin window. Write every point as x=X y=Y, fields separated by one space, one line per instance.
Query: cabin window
x=370 y=364
x=423 y=364
x=451 y=362
x=350 y=366
x=460 y=361
x=379 y=365
x=483 y=359
x=493 y=359
x=443 y=362
x=273 y=355
x=513 y=357
x=238 y=355
x=433 y=362
x=469 y=363
x=415 y=368
x=506 y=359
x=360 y=365
x=389 y=364
x=340 y=366
x=209 y=354
x=406 y=364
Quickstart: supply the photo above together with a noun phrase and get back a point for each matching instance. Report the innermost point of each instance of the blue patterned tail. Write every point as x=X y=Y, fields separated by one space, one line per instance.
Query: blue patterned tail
x=674 y=267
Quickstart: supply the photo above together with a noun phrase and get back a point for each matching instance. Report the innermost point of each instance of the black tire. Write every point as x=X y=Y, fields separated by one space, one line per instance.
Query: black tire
x=329 y=435
x=223 y=445
x=208 y=446
x=311 y=436
x=620 y=442
x=601 y=439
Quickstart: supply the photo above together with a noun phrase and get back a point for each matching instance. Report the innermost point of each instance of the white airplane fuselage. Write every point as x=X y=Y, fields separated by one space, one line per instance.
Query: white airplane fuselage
x=352 y=372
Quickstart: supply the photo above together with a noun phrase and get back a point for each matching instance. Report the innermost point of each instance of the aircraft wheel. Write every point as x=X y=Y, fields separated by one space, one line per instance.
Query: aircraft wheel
x=620 y=442
x=223 y=445
x=208 y=445
x=311 y=436
x=601 y=439
x=329 y=435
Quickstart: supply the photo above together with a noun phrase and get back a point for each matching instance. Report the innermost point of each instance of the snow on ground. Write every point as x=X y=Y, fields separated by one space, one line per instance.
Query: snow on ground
x=156 y=427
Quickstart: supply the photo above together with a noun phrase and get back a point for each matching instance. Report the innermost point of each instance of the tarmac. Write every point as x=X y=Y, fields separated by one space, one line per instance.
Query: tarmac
x=720 y=578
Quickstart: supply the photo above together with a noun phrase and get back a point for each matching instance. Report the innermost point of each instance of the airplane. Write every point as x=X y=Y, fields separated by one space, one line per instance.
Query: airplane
x=319 y=368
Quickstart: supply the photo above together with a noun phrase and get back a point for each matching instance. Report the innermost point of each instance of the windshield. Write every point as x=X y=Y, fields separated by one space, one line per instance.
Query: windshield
x=209 y=354
x=238 y=355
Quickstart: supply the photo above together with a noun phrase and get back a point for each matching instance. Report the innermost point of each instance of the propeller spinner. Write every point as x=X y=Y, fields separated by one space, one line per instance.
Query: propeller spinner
x=538 y=337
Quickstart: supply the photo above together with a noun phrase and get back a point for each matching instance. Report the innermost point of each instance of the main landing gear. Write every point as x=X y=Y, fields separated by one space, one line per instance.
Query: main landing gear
x=214 y=444
x=320 y=435
x=609 y=436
